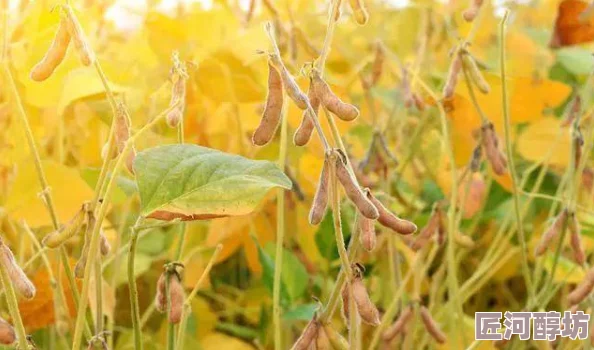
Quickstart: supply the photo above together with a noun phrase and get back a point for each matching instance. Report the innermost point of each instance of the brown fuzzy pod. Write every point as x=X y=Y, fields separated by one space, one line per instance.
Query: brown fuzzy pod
x=475 y=73
x=122 y=127
x=359 y=11
x=496 y=158
x=272 y=112
x=433 y=226
x=322 y=342
x=551 y=233
x=308 y=336
x=79 y=39
x=367 y=238
x=56 y=238
x=452 y=79
x=289 y=83
x=342 y=110
x=365 y=306
x=575 y=240
x=345 y=298
x=389 y=220
x=161 y=297
x=305 y=129
x=178 y=94
x=472 y=11
x=578 y=142
x=320 y=201
x=582 y=290
x=431 y=326
x=7 y=333
x=353 y=191
x=574 y=111
x=104 y=245
x=398 y=326
x=18 y=278
x=176 y=295
x=337 y=341
x=54 y=55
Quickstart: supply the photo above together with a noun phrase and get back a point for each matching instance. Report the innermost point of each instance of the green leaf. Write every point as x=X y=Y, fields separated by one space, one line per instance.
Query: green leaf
x=303 y=312
x=576 y=60
x=196 y=182
x=268 y=273
x=294 y=275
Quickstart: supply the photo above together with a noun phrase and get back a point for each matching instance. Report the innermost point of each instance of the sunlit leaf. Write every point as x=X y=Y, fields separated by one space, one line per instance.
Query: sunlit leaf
x=196 y=182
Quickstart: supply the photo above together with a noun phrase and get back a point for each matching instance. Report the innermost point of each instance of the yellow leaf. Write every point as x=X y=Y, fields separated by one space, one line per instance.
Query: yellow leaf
x=218 y=341
x=68 y=191
x=546 y=139
x=82 y=83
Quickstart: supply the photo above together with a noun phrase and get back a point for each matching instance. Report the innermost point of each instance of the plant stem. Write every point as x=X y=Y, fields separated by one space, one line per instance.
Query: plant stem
x=94 y=244
x=188 y=303
x=280 y=235
x=45 y=189
x=512 y=169
x=13 y=308
x=134 y=233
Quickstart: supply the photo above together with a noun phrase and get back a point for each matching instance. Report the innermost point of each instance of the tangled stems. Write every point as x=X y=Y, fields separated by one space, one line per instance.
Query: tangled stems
x=512 y=169
x=94 y=244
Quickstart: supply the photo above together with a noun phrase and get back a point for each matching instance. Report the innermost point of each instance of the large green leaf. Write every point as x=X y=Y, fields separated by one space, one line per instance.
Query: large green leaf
x=193 y=182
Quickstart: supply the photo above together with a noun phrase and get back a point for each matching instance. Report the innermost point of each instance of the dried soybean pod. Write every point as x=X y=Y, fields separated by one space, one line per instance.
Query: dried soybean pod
x=56 y=238
x=399 y=325
x=289 y=83
x=18 y=278
x=78 y=37
x=345 y=297
x=342 y=110
x=491 y=145
x=452 y=79
x=7 y=333
x=79 y=268
x=176 y=295
x=121 y=127
x=308 y=336
x=320 y=201
x=431 y=326
x=575 y=239
x=352 y=189
x=367 y=238
x=432 y=226
x=178 y=93
x=475 y=73
x=582 y=290
x=389 y=220
x=54 y=55
x=272 y=112
x=161 y=297
x=472 y=11
x=578 y=142
x=551 y=233
x=365 y=306
x=104 y=247
x=322 y=342
x=305 y=129
x=359 y=11
x=337 y=341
